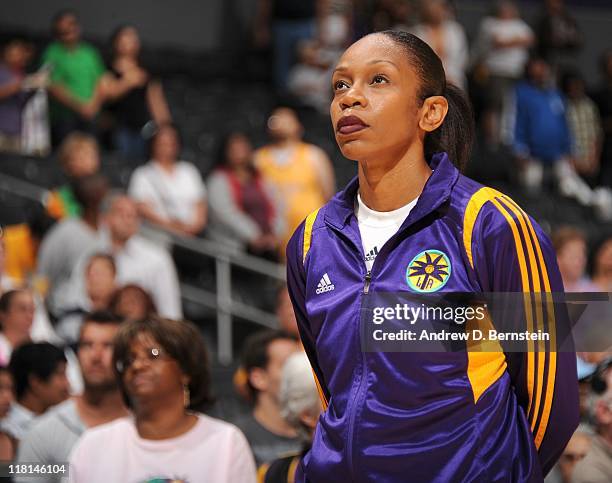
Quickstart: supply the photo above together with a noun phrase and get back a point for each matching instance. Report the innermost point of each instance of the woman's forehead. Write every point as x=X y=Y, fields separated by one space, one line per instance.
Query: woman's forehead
x=372 y=47
x=143 y=339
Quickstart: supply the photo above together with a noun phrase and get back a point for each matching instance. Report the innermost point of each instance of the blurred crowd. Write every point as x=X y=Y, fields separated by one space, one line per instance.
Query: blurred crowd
x=90 y=309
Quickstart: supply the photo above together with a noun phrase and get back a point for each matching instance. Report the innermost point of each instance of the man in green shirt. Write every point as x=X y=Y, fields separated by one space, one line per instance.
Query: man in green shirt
x=77 y=69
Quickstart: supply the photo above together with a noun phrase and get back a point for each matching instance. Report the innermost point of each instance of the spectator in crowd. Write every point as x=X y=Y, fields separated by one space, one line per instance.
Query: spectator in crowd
x=163 y=371
x=243 y=210
x=8 y=444
x=300 y=173
x=170 y=193
x=76 y=71
x=575 y=451
x=446 y=37
x=285 y=23
x=268 y=433
x=310 y=78
x=39 y=375
x=559 y=37
x=71 y=238
x=79 y=156
x=21 y=243
x=603 y=99
x=53 y=435
x=132 y=302
x=541 y=135
x=300 y=407
x=596 y=466
x=137 y=260
x=287 y=323
x=134 y=96
x=502 y=46
x=570 y=244
x=16 y=318
x=15 y=89
x=602 y=266
x=392 y=15
x=100 y=274
x=6 y=281
x=41 y=328
x=584 y=125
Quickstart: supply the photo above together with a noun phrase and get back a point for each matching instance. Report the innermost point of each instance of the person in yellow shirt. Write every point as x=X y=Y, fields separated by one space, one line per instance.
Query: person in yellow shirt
x=301 y=174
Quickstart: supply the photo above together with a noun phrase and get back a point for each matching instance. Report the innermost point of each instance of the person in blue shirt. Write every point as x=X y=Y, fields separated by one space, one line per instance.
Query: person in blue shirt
x=541 y=134
x=411 y=224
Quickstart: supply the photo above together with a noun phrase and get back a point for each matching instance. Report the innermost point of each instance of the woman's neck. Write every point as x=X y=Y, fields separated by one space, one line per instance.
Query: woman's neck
x=391 y=185
x=242 y=172
x=287 y=142
x=267 y=413
x=163 y=421
x=166 y=164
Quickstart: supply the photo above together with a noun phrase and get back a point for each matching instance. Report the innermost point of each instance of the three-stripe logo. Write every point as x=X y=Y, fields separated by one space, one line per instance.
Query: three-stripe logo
x=325 y=284
x=371 y=255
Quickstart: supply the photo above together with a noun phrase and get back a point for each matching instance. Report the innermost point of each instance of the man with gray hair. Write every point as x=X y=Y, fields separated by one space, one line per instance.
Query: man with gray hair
x=596 y=466
x=138 y=261
x=300 y=406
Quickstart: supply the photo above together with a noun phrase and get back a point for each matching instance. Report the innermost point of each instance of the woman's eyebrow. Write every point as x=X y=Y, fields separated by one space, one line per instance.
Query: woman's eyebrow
x=342 y=68
x=378 y=61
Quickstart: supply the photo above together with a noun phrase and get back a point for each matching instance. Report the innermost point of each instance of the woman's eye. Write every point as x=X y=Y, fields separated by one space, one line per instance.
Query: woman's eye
x=339 y=85
x=379 y=79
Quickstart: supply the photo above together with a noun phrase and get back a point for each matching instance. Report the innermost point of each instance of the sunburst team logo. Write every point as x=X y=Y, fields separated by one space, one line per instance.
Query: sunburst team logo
x=428 y=271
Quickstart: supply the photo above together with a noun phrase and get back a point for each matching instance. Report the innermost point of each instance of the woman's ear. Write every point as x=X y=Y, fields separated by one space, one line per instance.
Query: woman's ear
x=432 y=112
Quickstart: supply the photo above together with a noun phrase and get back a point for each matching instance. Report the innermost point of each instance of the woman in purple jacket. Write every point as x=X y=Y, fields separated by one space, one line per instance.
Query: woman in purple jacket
x=410 y=223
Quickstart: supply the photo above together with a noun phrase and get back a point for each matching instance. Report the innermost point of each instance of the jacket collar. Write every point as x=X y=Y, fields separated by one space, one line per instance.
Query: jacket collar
x=436 y=191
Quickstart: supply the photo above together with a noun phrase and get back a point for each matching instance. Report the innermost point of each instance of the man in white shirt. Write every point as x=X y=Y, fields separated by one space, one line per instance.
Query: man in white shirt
x=138 y=260
x=53 y=435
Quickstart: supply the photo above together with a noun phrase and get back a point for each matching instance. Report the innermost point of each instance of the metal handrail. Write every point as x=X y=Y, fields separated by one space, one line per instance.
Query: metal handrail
x=222 y=301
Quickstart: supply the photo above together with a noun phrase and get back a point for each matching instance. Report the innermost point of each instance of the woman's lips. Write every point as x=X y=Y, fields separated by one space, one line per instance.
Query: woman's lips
x=350 y=124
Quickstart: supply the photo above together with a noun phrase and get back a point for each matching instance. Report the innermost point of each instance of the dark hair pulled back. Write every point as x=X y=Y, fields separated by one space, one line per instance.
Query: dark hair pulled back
x=456 y=134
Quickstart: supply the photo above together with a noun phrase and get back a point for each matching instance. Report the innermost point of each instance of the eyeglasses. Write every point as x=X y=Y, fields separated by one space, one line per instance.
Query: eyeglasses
x=150 y=356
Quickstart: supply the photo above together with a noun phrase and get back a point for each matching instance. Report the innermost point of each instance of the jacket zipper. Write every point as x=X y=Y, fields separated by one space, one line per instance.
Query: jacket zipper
x=366 y=283
x=362 y=381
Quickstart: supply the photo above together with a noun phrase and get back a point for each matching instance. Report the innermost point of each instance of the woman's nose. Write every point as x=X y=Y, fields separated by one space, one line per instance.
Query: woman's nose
x=352 y=98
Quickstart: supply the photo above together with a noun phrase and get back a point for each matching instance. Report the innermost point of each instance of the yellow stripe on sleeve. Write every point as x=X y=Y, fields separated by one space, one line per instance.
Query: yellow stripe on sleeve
x=261 y=472
x=540 y=348
x=472 y=210
x=541 y=401
x=552 y=363
x=310 y=219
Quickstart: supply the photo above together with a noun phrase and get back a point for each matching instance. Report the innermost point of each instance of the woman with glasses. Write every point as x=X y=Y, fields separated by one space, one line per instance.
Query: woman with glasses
x=163 y=372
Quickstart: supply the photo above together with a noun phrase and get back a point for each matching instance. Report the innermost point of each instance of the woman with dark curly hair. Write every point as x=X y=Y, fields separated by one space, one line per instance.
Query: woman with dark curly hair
x=163 y=372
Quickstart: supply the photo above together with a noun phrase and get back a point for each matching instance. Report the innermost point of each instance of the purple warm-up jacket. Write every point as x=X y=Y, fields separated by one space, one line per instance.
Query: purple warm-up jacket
x=430 y=416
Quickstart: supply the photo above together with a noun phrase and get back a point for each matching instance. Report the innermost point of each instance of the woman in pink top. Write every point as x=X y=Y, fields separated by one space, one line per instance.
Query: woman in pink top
x=162 y=367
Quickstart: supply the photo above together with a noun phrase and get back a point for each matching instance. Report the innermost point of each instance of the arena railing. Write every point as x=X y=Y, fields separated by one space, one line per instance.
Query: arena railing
x=222 y=301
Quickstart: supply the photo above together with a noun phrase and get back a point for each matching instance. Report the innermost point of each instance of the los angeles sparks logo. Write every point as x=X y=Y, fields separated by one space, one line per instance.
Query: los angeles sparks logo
x=428 y=271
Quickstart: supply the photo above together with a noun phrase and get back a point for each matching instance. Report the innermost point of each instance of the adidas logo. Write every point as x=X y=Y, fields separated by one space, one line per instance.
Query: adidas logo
x=371 y=255
x=325 y=285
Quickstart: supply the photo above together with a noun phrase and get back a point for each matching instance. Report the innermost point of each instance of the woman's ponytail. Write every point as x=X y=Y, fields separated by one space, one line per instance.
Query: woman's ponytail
x=456 y=134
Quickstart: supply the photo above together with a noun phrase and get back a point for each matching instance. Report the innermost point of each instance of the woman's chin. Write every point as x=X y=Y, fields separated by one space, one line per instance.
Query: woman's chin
x=354 y=150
